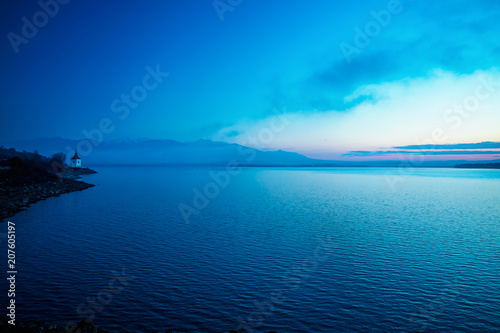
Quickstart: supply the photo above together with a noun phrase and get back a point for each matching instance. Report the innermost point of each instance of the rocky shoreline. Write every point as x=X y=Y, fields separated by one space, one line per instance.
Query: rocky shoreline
x=34 y=326
x=18 y=193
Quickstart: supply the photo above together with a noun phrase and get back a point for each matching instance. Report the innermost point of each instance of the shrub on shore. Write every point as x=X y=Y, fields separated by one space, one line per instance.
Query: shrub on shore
x=32 y=165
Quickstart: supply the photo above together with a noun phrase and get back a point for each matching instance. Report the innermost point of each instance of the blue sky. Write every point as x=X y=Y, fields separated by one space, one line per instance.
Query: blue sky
x=228 y=78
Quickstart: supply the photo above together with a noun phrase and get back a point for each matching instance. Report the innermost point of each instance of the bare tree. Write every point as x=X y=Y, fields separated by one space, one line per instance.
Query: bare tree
x=59 y=157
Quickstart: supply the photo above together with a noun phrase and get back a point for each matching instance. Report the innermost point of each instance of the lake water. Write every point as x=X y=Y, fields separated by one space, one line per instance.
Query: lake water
x=299 y=250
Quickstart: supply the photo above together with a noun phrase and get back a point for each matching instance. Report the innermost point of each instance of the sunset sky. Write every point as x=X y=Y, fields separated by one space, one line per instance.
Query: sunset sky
x=328 y=79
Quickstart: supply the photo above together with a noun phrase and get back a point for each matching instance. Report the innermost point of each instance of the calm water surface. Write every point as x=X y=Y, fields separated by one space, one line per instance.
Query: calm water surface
x=301 y=250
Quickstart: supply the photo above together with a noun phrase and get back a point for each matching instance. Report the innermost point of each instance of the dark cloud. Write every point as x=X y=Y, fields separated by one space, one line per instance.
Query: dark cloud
x=446 y=149
x=421 y=152
x=479 y=145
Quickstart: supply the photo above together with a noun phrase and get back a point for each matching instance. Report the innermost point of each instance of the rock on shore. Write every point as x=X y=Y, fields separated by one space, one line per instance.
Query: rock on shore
x=34 y=326
x=75 y=173
x=17 y=193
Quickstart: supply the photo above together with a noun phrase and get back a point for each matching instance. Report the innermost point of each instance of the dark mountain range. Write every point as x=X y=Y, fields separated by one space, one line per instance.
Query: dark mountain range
x=201 y=152
x=158 y=152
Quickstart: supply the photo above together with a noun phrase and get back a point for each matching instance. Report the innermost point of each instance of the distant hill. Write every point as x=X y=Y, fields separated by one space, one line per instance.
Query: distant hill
x=162 y=152
x=128 y=151
x=479 y=166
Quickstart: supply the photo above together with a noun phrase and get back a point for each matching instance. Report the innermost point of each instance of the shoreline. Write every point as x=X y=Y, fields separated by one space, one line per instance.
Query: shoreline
x=36 y=326
x=18 y=193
